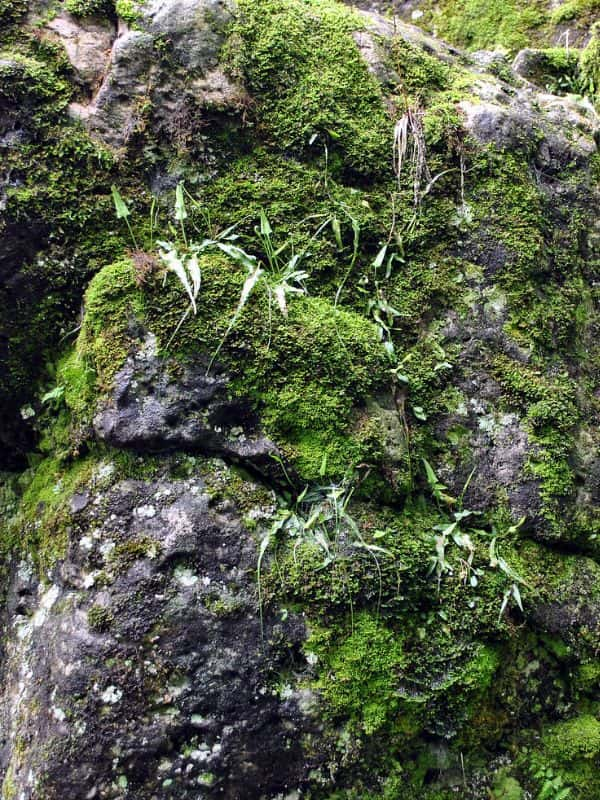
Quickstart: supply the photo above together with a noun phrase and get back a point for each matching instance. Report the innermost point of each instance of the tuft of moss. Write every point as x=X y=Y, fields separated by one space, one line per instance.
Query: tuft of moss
x=100 y=618
x=89 y=8
x=113 y=303
x=486 y=24
x=573 y=739
x=303 y=67
x=360 y=674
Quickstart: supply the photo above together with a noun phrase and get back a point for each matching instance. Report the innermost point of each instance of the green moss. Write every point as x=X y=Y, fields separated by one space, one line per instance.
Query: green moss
x=127 y=10
x=304 y=69
x=588 y=676
x=551 y=416
x=360 y=673
x=589 y=66
x=506 y=788
x=11 y=10
x=78 y=379
x=113 y=302
x=88 y=8
x=58 y=193
x=573 y=739
x=481 y=24
x=419 y=72
x=40 y=527
x=100 y=618
x=575 y=10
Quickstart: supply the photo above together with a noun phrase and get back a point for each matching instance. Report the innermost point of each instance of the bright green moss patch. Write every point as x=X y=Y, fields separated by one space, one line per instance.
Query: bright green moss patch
x=506 y=788
x=40 y=526
x=360 y=673
x=303 y=67
x=33 y=81
x=485 y=24
x=419 y=72
x=574 y=739
x=576 y=10
x=589 y=65
x=113 y=303
x=88 y=8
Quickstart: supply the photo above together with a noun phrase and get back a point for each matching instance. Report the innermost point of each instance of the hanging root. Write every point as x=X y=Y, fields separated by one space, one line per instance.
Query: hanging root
x=409 y=146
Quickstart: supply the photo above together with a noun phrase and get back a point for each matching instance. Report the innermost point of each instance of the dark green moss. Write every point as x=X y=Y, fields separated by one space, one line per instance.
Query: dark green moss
x=100 y=618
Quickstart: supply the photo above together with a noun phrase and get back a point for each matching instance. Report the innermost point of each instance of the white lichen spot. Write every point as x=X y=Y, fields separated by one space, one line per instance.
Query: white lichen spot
x=46 y=602
x=487 y=424
x=185 y=577
x=86 y=543
x=286 y=692
x=107 y=548
x=89 y=580
x=311 y=658
x=105 y=470
x=111 y=695
x=58 y=714
x=145 y=512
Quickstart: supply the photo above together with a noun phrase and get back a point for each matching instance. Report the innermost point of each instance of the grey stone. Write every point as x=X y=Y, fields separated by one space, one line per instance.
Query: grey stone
x=88 y=43
x=153 y=410
x=150 y=661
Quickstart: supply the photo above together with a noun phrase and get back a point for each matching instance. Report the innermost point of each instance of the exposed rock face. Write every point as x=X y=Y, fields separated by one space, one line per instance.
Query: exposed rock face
x=358 y=556
x=153 y=673
x=135 y=78
x=155 y=409
x=88 y=44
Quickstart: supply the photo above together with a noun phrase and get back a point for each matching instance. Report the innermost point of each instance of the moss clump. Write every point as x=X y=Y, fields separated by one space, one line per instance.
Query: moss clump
x=573 y=739
x=300 y=62
x=588 y=676
x=89 y=8
x=589 y=66
x=11 y=10
x=551 y=417
x=506 y=788
x=113 y=303
x=360 y=673
x=100 y=618
x=481 y=24
x=583 y=10
x=420 y=73
x=40 y=526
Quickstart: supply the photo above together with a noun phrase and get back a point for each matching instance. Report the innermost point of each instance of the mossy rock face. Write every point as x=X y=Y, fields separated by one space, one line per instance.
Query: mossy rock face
x=329 y=530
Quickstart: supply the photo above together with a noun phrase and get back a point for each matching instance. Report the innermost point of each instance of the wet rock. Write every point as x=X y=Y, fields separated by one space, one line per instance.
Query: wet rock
x=573 y=612
x=181 y=84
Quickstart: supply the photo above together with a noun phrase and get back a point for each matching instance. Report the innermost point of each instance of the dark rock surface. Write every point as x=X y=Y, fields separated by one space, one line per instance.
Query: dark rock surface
x=155 y=409
x=153 y=674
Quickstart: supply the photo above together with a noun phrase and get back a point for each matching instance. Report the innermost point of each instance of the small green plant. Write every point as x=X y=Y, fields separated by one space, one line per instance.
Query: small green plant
x=88 y=8
x=464 y=536
x=181 y=255
x=320 y=517
x=550 y=783
x=280 y=277
x=123 y=212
